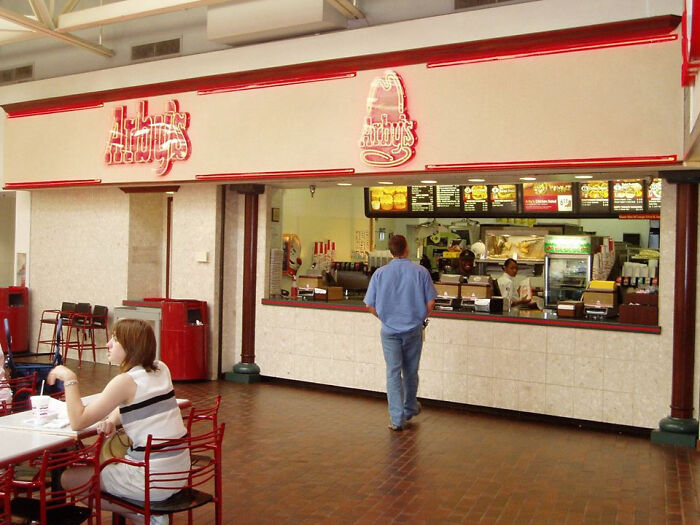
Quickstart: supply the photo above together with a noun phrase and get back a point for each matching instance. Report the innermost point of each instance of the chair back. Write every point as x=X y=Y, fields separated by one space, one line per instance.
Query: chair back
x=67 y=309
x=201 y=414
x=53 y=499
x=99 y=316
x=6 y=476
x=22 y=389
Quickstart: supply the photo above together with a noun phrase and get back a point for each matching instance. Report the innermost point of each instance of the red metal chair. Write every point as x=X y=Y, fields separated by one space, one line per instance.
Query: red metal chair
x=50 y=318
x=200 y=414
x=5 y=491
x=79 y=326
x=190 y=497
x=59 y=505
x=22 y=389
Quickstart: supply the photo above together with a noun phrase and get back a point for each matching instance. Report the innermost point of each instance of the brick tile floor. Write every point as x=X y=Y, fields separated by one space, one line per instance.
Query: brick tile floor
x=295 y=455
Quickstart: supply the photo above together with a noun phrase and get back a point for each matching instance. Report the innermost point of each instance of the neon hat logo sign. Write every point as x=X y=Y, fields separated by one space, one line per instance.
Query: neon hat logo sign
x=388 y=134
x=149 y=138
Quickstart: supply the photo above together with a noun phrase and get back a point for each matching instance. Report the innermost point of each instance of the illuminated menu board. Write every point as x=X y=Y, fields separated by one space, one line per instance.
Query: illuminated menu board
x=504 y=198
x=448 y=199
x=423 y=199
x=628 y=195
x=548 y=197
x=475 y=198
x=654 y=195
x=389 y=198
x=594 y=197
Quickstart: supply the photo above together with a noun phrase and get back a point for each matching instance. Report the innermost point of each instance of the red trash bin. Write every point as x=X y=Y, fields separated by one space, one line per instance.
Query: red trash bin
x=14 y=305
x=183 y=343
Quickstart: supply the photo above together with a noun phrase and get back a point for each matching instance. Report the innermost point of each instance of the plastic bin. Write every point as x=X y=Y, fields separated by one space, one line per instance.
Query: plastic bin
x=184 y=338
x=14 y=305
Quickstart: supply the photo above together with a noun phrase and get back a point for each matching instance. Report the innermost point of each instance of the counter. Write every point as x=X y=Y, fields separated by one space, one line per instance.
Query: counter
x=526 y=317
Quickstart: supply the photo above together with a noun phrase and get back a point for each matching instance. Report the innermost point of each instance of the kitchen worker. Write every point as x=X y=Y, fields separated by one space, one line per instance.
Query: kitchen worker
x=506 y=284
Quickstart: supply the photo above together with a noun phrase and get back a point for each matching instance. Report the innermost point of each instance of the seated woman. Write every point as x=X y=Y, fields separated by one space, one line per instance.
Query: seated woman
x=141 y=398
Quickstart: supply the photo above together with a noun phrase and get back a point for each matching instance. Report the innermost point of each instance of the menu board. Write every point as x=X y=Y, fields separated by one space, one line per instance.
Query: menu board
x=594 y=197
x=504 y=198
x=475 y=198
x=389 y=198
x=628 y=195
x=423 y=199
x=548 y=197
x=654 y=195
x=448 y=199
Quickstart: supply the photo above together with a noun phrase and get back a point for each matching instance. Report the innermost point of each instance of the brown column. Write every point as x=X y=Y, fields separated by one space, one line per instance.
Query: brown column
x=680 y=428
x=247 y=371
x=684 y=300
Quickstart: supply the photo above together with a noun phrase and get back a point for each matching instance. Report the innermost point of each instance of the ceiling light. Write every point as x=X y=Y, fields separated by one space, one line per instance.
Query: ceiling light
x=385 y=182
x=476 y=180
x=344 y=184
x=583 y=176
x=528 y=178
x=428 y=182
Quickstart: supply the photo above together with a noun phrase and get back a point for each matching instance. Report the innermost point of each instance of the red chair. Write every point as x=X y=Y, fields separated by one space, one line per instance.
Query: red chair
x=58 y=505
x=5 y=491
x=190 y=497
x=22 y=389
x=50 y=318
x=200 y=414
x=78 y=326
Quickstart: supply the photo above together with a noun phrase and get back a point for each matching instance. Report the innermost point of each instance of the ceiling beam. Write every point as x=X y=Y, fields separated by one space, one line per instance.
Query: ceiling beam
x=42 y=13
x=35 y=26
x=347 y=9
x=126 y=10
x=70 y=5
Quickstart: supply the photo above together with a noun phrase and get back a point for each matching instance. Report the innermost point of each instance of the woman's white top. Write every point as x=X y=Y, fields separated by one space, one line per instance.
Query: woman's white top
x=5 y=392
x=506 y=284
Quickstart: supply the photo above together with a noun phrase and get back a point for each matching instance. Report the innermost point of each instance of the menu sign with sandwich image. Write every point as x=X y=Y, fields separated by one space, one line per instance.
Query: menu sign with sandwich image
x=504 y=198
x=628 y=195
x=389 y=198
x=594 y=197
x=654 y=195
x=475 y=198
x=548 y=197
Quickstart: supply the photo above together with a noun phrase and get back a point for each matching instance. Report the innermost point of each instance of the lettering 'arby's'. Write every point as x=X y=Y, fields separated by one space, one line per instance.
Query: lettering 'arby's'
x=388 y=134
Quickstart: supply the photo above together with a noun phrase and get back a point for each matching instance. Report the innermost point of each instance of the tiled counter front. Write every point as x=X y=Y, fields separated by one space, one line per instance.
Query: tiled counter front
x=613 y=377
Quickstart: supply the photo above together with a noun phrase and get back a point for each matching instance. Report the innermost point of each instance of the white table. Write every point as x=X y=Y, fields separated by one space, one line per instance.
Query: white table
x=147 y=313
x=21 y=445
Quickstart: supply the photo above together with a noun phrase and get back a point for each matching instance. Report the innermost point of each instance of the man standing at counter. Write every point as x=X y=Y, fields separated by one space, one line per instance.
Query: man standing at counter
x=402 y=295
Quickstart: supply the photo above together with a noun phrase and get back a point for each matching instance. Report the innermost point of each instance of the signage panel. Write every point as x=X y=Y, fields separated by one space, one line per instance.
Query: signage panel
x=548 y=197
x=475 y=198
x=594 y=197
x=504 y=198
x=448 y=199
x=628 y=195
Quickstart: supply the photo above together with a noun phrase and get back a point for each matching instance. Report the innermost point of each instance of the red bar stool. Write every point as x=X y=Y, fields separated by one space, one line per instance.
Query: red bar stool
x=78 y=325
x=50 y=318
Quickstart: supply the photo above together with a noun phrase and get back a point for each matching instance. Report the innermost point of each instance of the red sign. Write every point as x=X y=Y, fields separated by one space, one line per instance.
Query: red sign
x=388 y=134
x=149 y=138
x=547 y=197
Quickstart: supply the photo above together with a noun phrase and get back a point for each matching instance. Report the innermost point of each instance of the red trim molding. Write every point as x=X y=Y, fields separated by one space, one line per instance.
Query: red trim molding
x=275 y=83
x=51 y=184
x=58 y=109
x=557 y=163
x=630 y=29
x=298 y=174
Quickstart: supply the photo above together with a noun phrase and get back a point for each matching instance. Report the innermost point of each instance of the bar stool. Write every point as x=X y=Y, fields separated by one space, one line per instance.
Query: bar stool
x=50 y=318
x=78 y=323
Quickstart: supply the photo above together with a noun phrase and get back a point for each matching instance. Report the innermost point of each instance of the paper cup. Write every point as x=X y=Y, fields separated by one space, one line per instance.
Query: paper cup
x=40 y=408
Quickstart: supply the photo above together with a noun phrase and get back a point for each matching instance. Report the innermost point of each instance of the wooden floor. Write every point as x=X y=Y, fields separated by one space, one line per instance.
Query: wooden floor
x=294 y=455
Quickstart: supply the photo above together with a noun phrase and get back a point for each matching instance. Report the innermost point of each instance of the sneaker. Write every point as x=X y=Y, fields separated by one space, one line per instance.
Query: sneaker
x=395 y=428
x=420 y=407
x=160 y=520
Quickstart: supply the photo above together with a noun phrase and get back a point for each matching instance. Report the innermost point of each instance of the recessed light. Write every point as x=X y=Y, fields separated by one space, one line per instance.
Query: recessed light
x=528 y=178
x=385 y=182
x=428 y=182
x=583 y=176
x=344 y=184
x=476 y=180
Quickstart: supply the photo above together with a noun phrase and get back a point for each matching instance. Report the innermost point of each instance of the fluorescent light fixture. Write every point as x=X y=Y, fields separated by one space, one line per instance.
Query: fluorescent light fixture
x=428 y=182
x=476 y=180
x=528 y=178
x=384 y=182
x=344 y=184
x=583 y=176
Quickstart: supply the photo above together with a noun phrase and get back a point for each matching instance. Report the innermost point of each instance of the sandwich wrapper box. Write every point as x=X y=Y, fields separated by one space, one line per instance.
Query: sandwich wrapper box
x=601 y=298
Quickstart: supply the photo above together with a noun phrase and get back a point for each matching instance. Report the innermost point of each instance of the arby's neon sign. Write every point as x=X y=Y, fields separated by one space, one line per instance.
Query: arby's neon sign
x=388 y=134
x=145 y=138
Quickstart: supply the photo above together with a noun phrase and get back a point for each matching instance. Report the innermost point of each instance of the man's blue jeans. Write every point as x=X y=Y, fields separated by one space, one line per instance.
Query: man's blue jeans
x=402 y=356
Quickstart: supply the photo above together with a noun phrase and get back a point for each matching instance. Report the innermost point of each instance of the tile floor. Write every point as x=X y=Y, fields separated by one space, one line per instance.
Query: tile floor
x=296 y=455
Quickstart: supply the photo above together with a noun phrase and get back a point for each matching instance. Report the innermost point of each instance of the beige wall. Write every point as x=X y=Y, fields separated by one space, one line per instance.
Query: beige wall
x=147 y=218
x=7 y=239
x=617 y=102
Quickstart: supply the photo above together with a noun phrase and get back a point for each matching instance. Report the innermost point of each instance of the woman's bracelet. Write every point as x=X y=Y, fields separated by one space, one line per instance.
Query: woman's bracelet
x=70 y=383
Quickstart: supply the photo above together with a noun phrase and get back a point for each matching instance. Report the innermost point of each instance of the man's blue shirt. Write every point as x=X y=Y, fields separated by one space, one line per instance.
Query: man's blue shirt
x=399 y=292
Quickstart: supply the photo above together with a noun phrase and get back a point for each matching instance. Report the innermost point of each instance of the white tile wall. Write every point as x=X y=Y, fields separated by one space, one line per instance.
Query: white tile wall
x=615 y=377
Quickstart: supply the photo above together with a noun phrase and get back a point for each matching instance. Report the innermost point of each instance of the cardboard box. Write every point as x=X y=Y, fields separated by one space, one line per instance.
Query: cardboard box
x=447 y=290
x=329 y=293
x=639 y=314
x=479 y=291
x=570 y=308
x=310 y=281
